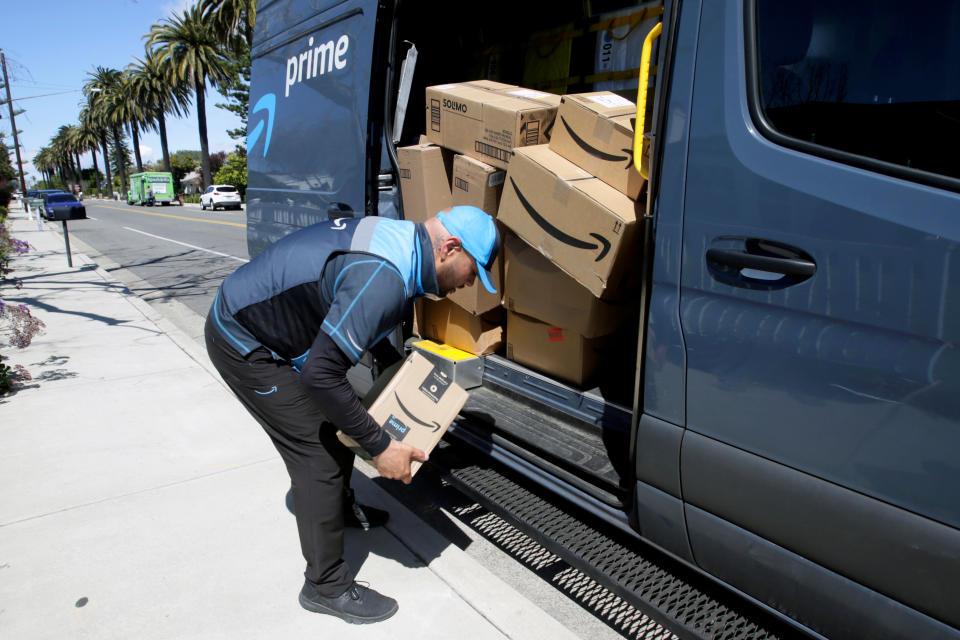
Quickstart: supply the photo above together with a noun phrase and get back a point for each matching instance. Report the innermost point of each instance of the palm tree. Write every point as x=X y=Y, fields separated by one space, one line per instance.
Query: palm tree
x=44 y=164
x=94 y=121
x=63 y=154
x=232 y=17
x=130 y=112
x=87 y=139
x=72 y=139
x=188 y=44
x=104 y=91
x=159 y=95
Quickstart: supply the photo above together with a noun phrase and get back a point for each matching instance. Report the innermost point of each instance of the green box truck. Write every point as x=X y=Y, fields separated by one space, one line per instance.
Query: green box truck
x=151 y=187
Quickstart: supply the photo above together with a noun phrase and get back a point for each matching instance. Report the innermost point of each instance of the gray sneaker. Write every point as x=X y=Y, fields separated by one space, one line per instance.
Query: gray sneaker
x=357 y=605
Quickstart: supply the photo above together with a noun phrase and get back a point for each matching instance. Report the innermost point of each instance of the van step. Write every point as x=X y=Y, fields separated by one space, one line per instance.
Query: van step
x=684 y=602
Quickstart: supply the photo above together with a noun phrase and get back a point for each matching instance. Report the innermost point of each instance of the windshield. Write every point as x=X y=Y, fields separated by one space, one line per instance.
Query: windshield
x=226 y=189
x=61 y=198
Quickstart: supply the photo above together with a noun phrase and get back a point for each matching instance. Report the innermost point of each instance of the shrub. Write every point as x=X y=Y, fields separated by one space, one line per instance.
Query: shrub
x=16 y=321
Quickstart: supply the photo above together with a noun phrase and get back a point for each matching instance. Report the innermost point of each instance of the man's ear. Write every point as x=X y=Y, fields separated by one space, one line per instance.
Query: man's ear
x=449 y=247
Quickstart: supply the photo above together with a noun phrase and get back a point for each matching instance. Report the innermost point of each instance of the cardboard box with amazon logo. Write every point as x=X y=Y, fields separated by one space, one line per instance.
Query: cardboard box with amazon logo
x=415 y=407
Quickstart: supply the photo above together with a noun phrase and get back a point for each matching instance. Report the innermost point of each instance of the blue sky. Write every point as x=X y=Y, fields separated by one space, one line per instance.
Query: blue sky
x=82 y=36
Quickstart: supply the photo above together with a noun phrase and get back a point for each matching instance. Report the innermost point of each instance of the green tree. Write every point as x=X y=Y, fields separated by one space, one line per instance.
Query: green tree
x=233 y=18
x=235 y=21
x=88 y=137
x=104 y=92
x=8 y=175
x=189 y=44
x=182 y=163
x=234 y=171
x=236 y=89
x=90 y=119
x=160 y=95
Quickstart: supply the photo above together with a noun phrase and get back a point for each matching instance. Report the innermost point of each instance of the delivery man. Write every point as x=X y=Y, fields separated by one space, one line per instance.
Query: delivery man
x=284 y=329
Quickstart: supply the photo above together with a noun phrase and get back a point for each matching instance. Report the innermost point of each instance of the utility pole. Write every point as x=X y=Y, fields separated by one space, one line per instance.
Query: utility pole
x=13 y=124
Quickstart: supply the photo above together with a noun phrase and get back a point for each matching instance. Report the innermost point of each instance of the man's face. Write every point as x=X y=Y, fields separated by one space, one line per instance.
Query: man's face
x=457 y=269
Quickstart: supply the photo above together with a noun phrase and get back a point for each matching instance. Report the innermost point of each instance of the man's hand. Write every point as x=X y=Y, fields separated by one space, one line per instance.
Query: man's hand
x=394 y=462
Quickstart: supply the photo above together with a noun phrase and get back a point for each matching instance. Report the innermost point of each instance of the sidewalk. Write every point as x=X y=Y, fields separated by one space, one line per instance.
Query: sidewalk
x=139 y=500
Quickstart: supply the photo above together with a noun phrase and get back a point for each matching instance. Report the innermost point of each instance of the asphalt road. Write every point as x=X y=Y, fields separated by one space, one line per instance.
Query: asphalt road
x=175 y=258
x=178 y=253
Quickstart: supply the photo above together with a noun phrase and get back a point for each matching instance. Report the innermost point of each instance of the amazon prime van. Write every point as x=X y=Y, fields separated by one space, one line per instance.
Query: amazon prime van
x=782 y=416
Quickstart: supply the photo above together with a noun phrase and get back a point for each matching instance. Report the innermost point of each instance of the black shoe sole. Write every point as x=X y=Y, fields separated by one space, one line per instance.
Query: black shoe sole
x=316 y=607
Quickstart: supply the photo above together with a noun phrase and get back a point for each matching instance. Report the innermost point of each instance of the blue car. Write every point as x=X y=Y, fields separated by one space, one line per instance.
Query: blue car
x=62 y=206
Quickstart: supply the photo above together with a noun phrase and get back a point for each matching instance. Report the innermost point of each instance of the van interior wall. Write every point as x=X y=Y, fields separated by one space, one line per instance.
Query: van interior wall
x=537 y=44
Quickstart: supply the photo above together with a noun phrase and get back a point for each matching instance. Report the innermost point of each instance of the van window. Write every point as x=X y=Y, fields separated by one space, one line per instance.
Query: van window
x=873 y=78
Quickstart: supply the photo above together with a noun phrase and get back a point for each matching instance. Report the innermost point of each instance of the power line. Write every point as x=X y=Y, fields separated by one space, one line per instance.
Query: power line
x=44 y=95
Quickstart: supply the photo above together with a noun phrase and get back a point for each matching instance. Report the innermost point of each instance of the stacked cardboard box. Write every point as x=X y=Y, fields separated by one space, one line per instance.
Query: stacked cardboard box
x=487 y=120
x=567 y=206
x=574 y=204
x=480 y=185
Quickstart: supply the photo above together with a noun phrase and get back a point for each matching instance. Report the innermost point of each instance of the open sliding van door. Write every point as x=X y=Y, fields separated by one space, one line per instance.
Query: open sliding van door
x=308 y=141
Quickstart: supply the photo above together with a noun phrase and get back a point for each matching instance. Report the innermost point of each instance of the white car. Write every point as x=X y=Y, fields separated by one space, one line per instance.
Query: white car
x=224 y=196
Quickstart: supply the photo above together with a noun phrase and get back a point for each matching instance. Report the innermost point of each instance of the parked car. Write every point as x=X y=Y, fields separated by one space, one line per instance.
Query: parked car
x=224 y=196
x=62 y=206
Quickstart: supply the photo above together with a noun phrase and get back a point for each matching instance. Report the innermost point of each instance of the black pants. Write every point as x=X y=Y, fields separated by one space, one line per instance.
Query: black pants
x=318 y=463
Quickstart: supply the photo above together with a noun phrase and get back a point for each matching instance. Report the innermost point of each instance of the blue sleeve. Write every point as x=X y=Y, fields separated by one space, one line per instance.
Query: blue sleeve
x=369 y=300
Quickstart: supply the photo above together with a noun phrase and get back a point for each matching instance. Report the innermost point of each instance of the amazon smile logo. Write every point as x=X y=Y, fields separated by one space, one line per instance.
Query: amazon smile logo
x=433 y=426
x=268 y=103
x=602 y=243
x=597 y=153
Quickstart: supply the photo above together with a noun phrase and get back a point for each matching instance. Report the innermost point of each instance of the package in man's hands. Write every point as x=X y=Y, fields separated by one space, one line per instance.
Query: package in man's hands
x=415 y=407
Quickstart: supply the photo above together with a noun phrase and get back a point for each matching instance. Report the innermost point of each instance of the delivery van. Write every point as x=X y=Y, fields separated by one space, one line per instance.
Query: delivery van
x=150 y=188
x=779 y=410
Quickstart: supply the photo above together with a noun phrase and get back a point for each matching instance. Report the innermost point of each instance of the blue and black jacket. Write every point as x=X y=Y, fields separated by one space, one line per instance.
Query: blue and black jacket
x=346 y=282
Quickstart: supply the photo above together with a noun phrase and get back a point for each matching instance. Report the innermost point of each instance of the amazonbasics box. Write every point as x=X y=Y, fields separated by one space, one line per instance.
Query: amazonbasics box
x=486 y=120
x=595 y=132
x=425 y=175
x=415 y=407
x=578 y=222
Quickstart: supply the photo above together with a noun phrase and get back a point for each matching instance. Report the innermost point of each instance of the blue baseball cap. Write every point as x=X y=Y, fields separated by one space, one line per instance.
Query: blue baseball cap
x=479 y=236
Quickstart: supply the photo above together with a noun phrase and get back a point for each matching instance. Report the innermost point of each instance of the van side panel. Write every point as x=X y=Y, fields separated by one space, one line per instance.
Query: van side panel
x=849 y=377
x=309 y=95
x=802 y=589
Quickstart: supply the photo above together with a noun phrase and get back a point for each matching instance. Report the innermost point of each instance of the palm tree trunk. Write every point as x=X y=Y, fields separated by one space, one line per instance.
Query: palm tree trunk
x=121 y=161
x=136 y=145
x=83 y=186
x=106 y=164
x=96 y=170
x=204 y=148
x=163 y=142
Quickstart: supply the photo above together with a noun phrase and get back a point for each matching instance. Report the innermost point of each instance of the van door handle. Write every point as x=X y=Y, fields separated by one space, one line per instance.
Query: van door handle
x=757 y=263
x=746 y=260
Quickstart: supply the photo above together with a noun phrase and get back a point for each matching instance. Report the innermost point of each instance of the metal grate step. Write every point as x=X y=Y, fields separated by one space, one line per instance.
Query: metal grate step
x=688 y=604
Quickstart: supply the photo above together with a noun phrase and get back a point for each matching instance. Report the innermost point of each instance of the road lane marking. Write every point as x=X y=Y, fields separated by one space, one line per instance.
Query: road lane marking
x=167 y=215
x=225 y=255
